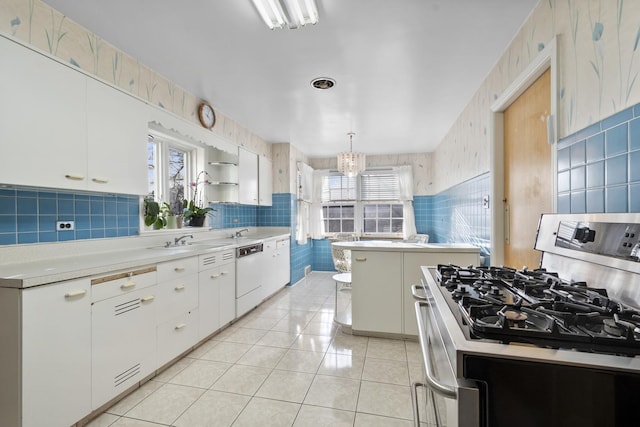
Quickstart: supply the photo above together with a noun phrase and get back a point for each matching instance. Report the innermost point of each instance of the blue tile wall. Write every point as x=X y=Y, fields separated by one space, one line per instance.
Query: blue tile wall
x=322 y=260
x=233 y=215
x=598 y=166
x=459 y=217
x=423 y=211
x=29 y=216
x=279 y=214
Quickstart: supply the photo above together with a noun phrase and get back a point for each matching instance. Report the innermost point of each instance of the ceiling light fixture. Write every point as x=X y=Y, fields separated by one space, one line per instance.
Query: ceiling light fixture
x=349 y=163
x=323 y=83
x=287 y=13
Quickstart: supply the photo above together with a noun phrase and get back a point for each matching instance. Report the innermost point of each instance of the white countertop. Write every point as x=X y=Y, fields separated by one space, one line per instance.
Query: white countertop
x=400 y=246
x=55 y=262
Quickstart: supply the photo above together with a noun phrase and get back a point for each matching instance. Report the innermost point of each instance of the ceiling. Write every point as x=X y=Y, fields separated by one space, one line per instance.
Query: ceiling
x=405 y=69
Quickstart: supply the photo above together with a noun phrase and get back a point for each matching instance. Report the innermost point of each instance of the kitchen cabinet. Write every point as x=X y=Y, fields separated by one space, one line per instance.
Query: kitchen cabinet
x=117 y=127
x=177 y=327
x=66 y=130
x=43 y=125
x=247 y=177
x=265 y=182
x=381 y=277
x=412 y=275
x=276 y=265
x=59 y=352
x=216 y=291
x=123 y=341
x=222 y=167
x=45 y=368
x=376 y=295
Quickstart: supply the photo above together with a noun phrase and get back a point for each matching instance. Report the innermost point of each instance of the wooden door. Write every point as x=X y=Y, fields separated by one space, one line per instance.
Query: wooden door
x=528 y=172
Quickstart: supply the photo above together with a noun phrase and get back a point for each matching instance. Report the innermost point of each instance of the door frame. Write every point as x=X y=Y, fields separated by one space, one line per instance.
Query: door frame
x=547 y=58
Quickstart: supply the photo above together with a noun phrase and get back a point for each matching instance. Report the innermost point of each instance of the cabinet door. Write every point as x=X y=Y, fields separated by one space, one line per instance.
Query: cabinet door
x=227 y=301
x=42 y=120
x=376 y=295
x=117 y=126
x=265 y=181
x=413 y=275
x=177 y=335
x=209 y=301
x=56 y=354
x=248 y=177
x=123 y=343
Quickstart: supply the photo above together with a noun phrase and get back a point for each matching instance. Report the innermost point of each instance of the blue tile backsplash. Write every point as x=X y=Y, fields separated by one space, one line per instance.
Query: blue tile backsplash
x=29 y=216
x=609 y=182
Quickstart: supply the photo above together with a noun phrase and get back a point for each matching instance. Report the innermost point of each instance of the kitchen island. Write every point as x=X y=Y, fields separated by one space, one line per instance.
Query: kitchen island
x=382 y=274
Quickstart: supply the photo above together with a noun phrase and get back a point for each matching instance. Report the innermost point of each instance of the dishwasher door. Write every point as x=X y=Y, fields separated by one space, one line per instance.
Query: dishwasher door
x=249 y=276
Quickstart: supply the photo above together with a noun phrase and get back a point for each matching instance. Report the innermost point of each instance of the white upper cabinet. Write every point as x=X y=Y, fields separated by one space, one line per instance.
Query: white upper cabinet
x=117 y=127
x=42 y=120
x=60 y=128
x=248 y=177
x=222 y=167
x=265 y=181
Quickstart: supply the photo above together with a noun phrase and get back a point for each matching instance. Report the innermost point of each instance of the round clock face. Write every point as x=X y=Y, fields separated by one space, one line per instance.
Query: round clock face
x=206 y=115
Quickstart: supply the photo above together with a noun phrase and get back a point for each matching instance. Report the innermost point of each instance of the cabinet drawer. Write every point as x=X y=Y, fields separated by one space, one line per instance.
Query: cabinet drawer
x=216 y=259
x=176 y=336
x=178 y=268
x=177 y=296
x=115 y=284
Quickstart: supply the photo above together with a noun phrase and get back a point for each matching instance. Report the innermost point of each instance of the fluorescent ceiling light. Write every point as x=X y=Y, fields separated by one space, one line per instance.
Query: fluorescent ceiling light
x=287 y=13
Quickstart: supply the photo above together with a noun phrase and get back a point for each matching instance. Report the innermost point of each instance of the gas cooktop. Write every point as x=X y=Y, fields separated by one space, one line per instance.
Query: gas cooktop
x=539 y=308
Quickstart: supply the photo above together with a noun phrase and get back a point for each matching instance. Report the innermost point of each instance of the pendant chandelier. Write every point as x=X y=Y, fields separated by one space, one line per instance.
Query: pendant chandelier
x=349 y=163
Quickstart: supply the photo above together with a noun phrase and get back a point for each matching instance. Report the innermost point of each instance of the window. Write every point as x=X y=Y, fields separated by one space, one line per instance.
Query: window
x=370 y=204
x=171 y=166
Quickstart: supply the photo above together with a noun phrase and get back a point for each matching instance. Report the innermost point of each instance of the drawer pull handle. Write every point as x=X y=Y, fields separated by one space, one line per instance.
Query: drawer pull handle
x=178 y=269
x=147 y=298
x=224 y=272
x=100 y=180
x=179 y=288
x=74 y=177
x=180 y=326
x=361 y=259
x=215 y=276
x=127 y=285
x=76 y=293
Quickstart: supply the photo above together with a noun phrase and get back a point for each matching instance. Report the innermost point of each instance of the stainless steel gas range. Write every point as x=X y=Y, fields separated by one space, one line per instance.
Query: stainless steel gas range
x=554 y=345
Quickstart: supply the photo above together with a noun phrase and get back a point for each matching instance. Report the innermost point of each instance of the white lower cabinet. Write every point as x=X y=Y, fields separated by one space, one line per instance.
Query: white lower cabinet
x=177 y=321
x=123 y=344
x=177 y=335
x=56 y=355
x=216 y=291
x=276 y=265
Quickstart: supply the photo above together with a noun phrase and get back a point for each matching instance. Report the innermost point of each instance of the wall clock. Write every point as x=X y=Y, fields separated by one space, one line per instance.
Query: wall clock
x=206 y=115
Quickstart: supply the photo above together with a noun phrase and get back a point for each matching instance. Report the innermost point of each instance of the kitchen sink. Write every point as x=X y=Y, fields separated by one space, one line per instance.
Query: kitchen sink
x=187 y=247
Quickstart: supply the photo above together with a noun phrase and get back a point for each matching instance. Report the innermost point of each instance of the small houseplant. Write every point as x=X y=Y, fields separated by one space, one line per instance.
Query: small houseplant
x=152 y=215
x=193 y=210
x=171 y=219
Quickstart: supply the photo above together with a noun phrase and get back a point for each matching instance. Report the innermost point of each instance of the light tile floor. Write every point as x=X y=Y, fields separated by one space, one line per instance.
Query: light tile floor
x=284 y=364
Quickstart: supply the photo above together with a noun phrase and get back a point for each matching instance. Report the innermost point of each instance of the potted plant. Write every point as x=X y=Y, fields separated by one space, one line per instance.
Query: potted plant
x=171 y=219
x=193 y=210
x=152 y=214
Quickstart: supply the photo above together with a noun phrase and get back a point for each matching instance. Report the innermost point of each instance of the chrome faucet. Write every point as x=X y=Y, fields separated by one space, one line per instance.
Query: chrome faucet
x=239 y=233
x=181 y=239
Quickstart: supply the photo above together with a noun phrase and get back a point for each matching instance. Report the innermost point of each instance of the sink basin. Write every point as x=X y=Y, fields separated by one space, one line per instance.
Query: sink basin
x=189 y=247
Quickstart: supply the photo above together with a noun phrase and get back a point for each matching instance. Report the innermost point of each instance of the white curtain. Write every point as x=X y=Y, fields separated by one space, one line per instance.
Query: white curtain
x=302 y=222
x=305 y=184
x=317 y=223
x=405 y=178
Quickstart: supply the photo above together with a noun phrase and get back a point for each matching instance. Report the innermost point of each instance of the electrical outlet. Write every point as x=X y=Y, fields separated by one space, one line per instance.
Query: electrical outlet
x=65 y=225
x=485 y=201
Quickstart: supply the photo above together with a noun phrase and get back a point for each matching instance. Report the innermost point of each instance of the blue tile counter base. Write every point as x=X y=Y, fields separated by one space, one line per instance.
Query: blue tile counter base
x=598 y=168
x=29 y=216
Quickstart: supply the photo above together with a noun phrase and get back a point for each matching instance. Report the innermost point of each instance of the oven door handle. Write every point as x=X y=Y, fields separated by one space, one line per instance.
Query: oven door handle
x=425 y=342
x=415 y=291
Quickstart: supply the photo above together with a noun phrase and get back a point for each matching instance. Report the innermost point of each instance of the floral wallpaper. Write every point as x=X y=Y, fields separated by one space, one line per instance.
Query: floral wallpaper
x=35 y=23
x=421 y=164
x=598 y=67
x=285 y=157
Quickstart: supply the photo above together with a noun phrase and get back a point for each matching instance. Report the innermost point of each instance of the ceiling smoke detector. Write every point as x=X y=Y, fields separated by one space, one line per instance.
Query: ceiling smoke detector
x=323 y=83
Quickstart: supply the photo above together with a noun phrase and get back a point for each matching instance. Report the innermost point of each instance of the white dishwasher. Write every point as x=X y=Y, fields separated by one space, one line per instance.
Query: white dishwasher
x=249 y=276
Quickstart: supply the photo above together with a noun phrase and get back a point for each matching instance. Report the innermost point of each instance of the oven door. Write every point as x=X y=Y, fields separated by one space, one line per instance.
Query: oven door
x=455 y=401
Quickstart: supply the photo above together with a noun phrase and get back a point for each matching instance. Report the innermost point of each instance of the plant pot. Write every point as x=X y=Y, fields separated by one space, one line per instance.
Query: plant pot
x=197 y=221
x=172 y=222
x=179 y=221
